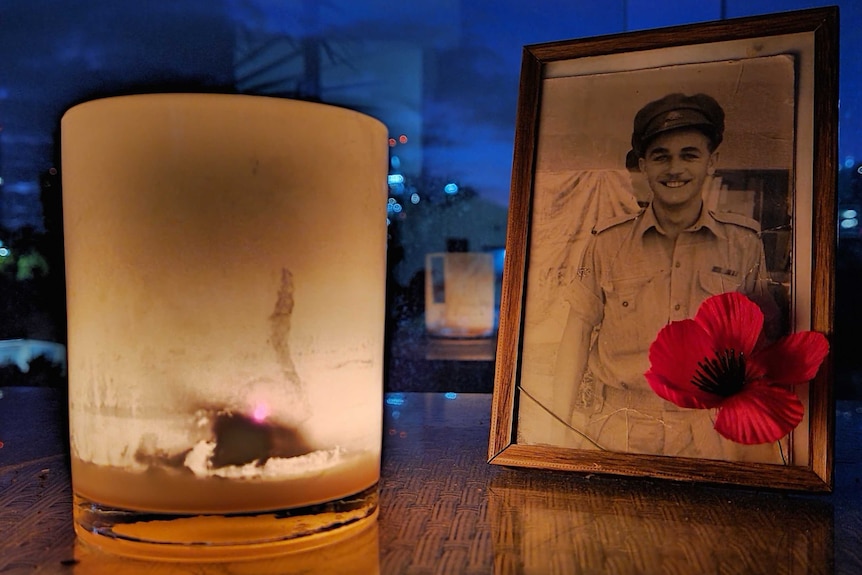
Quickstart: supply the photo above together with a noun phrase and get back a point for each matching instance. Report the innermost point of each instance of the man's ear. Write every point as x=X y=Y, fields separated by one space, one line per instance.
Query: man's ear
x=713 y=163
x=641 y=163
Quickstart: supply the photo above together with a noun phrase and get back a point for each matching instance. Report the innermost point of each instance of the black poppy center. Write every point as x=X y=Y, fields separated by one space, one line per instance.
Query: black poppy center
x=722 y=375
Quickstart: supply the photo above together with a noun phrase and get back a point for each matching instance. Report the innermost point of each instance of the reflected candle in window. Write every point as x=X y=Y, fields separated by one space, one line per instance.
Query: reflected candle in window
x=226 y=285
x=459 y=294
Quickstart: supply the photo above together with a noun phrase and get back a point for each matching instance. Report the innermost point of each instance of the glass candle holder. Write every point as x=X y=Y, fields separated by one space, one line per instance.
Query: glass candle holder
x=225 y=290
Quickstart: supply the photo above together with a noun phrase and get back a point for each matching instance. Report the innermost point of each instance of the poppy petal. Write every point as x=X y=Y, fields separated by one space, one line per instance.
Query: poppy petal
x=683 y=398
x=761 y=414
x=795 y=358
x=674 y=357
x=733 y=321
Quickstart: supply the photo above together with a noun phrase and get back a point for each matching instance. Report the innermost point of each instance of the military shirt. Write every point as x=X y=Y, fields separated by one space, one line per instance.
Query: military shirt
x=634 y=279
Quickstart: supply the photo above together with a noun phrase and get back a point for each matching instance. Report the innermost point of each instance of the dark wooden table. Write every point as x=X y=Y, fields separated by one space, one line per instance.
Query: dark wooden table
x=445 y=510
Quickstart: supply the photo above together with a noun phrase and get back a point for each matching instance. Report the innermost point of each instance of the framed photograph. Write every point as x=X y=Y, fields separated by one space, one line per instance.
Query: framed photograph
x=668 y=288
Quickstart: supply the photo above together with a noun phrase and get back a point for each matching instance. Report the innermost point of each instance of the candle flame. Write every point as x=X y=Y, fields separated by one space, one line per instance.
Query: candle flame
x=260 y=413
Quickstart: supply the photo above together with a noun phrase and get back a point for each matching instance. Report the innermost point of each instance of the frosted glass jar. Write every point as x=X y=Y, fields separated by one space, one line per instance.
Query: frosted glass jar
x=225 y=289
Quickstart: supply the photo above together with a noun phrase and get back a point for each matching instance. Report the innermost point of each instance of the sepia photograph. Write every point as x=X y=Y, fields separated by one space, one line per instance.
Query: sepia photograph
x=661 y=258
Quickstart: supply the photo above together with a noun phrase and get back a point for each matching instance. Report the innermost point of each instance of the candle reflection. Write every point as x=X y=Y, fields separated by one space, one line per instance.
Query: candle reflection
x=356 y=554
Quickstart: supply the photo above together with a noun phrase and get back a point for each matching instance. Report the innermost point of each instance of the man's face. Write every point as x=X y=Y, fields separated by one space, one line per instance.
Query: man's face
x=676 y=165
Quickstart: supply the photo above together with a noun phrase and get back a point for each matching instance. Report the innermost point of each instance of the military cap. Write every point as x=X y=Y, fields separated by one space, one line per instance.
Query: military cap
x=676 y=111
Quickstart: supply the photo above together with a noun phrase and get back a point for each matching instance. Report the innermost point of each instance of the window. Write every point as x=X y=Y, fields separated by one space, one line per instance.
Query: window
x=441 y=74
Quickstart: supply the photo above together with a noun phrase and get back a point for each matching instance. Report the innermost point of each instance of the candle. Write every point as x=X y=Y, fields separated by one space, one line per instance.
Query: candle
x=225 y=285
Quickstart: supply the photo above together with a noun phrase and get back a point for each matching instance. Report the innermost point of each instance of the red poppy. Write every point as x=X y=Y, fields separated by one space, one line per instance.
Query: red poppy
x=713 y=362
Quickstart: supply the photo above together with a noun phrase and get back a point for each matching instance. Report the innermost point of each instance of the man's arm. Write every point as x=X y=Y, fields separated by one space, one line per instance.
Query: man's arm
x=571 y=361
x=585 y=312
x=569 y=366
x=763 y=297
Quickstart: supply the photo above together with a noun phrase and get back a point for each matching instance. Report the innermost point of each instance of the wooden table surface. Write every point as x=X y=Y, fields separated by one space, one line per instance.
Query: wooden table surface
x=443 y=509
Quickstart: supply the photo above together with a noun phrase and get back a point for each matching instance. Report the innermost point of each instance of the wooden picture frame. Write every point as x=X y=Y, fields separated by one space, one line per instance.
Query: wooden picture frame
x=775 y=76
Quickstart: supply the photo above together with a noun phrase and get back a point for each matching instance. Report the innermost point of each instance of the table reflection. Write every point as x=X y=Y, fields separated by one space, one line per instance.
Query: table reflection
x=614 y=528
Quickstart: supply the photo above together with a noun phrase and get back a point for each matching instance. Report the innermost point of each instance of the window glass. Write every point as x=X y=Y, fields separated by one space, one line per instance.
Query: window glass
x=441 y=74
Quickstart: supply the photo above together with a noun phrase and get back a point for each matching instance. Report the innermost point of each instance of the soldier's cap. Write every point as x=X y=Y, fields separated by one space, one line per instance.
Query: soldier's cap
x=676 y=111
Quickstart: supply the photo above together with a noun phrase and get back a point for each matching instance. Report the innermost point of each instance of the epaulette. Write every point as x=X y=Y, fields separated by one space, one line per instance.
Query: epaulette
x=608 y=223
x=736 y=220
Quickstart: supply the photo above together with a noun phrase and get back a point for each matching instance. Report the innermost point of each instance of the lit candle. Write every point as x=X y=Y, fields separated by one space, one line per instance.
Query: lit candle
x=226 y=271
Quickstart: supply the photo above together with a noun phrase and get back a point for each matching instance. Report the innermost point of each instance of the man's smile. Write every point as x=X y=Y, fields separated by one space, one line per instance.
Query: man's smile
x=675 y=183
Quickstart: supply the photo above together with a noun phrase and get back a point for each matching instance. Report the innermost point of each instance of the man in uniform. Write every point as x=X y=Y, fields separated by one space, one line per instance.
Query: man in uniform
x=642 y=271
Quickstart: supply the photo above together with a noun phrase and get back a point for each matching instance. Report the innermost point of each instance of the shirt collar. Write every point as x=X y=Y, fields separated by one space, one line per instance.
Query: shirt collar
x=648 y=222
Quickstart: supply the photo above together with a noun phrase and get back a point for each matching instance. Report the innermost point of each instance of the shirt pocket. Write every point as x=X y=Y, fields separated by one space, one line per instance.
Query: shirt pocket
x=628 y=325
x=712 y=283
